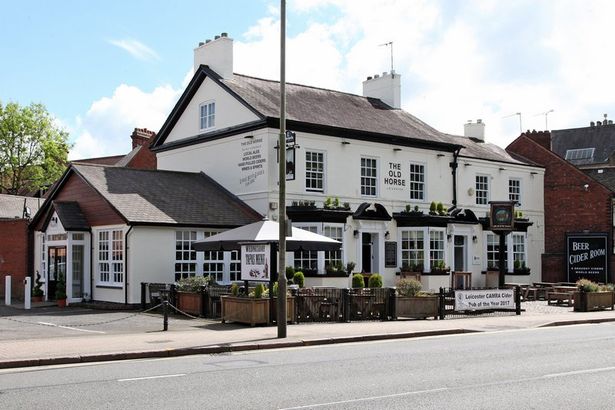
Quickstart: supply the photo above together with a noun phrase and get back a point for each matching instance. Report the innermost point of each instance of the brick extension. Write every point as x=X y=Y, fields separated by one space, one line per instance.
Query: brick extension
x=569 y=207
x=13 y=255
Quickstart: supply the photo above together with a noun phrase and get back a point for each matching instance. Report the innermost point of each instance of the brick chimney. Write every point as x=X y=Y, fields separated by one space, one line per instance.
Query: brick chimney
x=141 y=136
x=386 y=87
x=540 y=137
x=217 y=54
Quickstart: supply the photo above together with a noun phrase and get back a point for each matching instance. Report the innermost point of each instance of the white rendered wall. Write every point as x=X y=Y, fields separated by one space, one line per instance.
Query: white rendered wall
x=229 y=112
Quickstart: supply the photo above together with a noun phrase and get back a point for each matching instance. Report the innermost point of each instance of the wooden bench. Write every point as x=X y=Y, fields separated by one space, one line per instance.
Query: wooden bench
x=558 y=298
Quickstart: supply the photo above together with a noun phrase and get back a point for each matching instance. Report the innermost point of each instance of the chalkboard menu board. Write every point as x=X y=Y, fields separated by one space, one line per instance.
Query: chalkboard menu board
x=390 y=254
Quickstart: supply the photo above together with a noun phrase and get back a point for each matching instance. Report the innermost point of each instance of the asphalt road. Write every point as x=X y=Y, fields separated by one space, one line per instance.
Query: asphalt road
x=547 y=368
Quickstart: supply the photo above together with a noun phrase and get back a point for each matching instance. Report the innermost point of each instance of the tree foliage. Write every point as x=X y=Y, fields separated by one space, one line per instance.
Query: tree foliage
x=33 y=150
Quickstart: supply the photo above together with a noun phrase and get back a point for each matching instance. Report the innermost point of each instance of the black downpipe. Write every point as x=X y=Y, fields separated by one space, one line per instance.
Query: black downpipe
x=454 y=166
x=126 y=265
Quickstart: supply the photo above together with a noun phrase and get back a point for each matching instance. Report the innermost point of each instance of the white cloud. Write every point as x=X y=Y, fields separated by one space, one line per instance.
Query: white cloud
x=136 y=49
x=106 y=127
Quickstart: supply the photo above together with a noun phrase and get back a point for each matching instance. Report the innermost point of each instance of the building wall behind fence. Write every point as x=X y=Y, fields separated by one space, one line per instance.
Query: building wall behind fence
x=13 y=255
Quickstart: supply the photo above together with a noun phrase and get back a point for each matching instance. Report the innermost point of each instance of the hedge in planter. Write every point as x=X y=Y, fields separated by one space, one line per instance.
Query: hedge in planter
x=592 y=297
x=411 y=302
x=189 y=296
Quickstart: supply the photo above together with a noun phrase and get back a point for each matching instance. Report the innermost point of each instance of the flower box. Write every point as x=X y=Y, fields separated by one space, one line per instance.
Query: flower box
x=591 y=301
x=245 y=310
x=418 y=307
x=190 y=302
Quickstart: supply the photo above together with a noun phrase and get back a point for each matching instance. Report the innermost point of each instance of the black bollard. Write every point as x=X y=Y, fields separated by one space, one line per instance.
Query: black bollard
x=165 y=313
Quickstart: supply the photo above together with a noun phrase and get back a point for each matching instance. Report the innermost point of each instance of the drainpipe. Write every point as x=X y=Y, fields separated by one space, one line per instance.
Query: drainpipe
x=454 y=166
x=126 y=265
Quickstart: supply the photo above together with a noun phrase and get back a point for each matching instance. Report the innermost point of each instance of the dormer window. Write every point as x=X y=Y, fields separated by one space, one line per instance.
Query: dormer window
x=208 y=115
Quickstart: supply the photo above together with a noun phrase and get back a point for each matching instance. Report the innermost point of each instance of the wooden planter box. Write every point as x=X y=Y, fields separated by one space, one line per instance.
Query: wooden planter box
x=590 y=301
x=290 y=308
x=245 y=310
x=190 y=302
x=419 y=307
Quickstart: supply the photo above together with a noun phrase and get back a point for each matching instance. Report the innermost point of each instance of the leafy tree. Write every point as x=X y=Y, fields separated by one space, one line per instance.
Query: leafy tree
x=33 y=150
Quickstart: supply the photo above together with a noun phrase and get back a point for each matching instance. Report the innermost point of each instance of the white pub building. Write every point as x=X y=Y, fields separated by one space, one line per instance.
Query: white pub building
x=363 y=171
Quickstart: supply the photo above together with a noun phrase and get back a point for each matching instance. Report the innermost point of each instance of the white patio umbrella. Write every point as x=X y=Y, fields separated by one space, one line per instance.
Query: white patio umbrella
x=266 y=232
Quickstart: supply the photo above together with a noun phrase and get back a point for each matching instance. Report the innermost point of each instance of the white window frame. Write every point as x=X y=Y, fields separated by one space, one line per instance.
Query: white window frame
x=365 y=187
x=323 y=174
x=511 y=188
x=510 y=249
x=406 y=253
x=427 y=251
x=115 y=277
x=319 y=228
x=209 y=119
x=185 y=250
x=327 y=255
x=423 y=183
x=487 y=190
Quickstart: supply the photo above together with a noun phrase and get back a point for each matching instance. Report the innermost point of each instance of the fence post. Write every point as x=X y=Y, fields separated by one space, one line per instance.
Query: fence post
x=143 y=287
x=517 y=299
x=7 y=290
x=204 y=291
x=172 y=295
x=346 y=304
x=442 y=304
x=392 y=304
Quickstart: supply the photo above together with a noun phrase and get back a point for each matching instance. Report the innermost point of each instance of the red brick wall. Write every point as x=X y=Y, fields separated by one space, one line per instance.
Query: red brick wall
x=13 y=255
x=569 y=207
x=144 y=159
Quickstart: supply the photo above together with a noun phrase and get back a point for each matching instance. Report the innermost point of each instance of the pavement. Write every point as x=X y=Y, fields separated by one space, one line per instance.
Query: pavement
x=48 y=335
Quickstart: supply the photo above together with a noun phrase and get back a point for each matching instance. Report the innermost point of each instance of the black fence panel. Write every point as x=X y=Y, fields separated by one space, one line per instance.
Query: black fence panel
x=318 y=304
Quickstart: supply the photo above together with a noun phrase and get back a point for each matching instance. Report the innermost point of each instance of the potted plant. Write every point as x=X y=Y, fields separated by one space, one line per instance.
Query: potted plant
x=439 y=267
x=591 y=296
x=411 y=302
x=61 y=291
x=358 y=281
x=520 y=268
x=189 y=293
x=375 y=281
x=37 y=292
x=411 y=270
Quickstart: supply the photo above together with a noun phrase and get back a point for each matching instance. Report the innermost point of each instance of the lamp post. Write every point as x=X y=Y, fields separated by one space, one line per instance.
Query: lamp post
x=281 y=319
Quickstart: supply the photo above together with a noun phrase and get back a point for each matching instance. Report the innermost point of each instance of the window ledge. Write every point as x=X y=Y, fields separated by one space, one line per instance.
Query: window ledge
x=104 y=286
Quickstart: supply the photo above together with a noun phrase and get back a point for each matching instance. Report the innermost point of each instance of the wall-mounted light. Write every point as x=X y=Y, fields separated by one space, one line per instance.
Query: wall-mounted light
x=467 y=164
x=586 y=187
x=344 y=142
x=355 y=233
x=474 y=239
x=396 y=149
x=387 y=235
x=249 y=136
x=502 y=169
x=54 y=219
x=440 y=155
x=449 y=237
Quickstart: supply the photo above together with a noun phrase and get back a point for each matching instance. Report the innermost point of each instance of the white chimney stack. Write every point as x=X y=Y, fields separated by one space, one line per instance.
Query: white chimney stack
x=475 y=131
x=386 y=87
x=217 y=54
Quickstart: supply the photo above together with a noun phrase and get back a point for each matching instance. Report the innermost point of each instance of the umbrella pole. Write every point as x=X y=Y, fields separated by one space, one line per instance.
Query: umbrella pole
x=282 y=179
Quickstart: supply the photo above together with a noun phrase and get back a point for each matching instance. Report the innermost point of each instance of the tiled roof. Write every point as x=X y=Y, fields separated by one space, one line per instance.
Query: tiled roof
x=11 y=206
x=112 y=160
x=601 y=138
x=348 y=111
x=71 y=216
x=167 y=197
x=606 y=176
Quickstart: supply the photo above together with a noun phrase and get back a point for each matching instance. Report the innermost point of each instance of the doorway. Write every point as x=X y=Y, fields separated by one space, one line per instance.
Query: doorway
x=57 y=269
x=460 y=253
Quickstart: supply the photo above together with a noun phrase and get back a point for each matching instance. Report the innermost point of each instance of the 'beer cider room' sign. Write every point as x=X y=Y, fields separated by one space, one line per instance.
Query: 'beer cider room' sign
x=587 y=257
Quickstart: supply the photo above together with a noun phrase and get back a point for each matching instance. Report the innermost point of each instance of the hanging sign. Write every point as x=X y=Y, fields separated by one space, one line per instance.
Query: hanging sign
x=587 y=256
x=502 y=216
x=255 y=262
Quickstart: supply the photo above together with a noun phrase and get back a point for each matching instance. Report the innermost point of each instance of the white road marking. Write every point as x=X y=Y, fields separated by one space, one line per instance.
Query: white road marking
x=575 y=372
x=69 y=328
x=332 y=403
x=164 y=376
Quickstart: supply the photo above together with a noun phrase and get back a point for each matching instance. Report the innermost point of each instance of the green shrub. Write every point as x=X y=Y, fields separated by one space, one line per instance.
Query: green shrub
x=433 y=207
x=259 y=290
x=192 y=283
x=587 y=285
x=358 y=281
x=299 y=279
x=375 y=281
x=408 y=287
x=290 y=272
x=275 y=289
x=440 y=208
x=235 y=289
x=38 y=291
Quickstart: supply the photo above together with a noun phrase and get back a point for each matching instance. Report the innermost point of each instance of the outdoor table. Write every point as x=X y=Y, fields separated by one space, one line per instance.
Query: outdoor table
x=524 y=288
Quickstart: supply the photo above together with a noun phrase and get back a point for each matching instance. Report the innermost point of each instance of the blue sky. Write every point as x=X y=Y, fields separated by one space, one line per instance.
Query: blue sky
x=103 y=68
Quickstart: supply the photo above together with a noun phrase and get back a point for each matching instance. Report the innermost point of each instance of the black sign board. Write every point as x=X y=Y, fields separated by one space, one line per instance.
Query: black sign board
x=502 y=216
x=587 y=256
x=291 y=139
x=290 y=164
x=390 y=254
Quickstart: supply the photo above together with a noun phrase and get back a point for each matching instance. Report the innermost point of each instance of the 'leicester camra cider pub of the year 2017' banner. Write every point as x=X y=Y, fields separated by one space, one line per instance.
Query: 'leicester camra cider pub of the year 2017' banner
x=484 y=299
x=255 y=262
